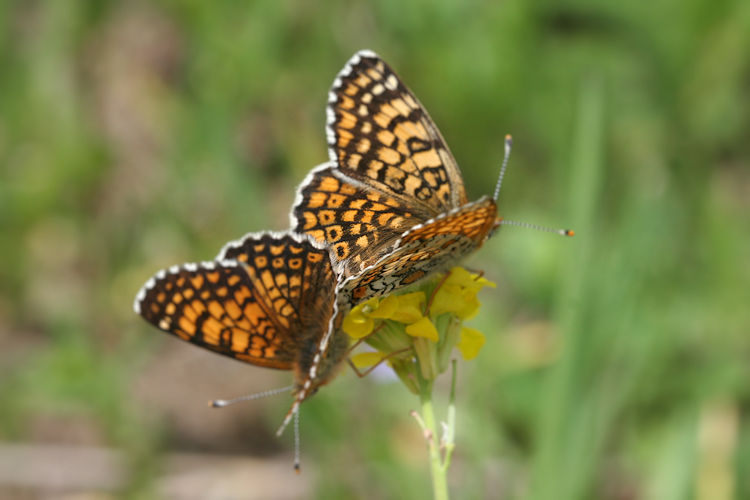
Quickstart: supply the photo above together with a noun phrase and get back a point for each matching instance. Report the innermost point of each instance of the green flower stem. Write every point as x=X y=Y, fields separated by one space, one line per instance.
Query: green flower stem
x=450 y=431
x=429 y=427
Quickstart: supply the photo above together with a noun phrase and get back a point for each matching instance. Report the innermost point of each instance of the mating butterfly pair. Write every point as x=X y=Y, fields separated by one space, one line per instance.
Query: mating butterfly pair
x=387 y=210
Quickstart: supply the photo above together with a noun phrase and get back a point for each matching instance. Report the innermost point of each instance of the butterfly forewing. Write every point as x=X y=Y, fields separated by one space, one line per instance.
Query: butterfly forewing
x=382 y=137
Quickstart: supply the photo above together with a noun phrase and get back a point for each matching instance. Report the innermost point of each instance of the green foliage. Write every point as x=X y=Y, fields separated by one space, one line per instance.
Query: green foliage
x=136 y=135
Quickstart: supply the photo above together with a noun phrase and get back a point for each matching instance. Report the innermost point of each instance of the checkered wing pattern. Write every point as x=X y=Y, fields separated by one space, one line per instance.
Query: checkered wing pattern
x=358 y=224
x=262 y=303
x=391 y=203
x=434 y=246
x=381 y=137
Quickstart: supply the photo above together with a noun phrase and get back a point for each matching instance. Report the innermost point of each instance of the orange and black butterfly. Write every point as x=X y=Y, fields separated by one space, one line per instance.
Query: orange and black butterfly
x=268 y=299
x=391 y=202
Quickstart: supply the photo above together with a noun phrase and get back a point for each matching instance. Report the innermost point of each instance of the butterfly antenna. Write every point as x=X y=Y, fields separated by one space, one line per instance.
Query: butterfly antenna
x=561 y=232
x=508 y=146
x=296 y=442
x=221 y=403
x=288 y=418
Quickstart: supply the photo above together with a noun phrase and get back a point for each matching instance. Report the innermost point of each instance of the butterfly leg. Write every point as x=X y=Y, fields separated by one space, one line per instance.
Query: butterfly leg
x=359 y=341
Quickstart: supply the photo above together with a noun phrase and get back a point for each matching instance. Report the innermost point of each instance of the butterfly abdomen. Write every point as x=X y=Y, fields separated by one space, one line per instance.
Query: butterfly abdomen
x=323 y=363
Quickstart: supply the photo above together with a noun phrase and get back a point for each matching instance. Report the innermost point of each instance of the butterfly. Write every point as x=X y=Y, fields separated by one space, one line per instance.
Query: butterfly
x=268 y=299
x=391 y=201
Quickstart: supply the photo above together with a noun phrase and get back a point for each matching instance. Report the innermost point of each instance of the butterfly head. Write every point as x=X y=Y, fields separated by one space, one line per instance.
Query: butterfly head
x=495 y=226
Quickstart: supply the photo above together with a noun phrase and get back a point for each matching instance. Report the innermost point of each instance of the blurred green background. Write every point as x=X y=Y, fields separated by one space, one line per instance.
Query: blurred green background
x=137 y=135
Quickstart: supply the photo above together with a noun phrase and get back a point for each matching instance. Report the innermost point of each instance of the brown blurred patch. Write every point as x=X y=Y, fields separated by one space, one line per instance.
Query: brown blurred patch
x=131 y=65
x=65 y=429
x=179 y=381
x=28 y=471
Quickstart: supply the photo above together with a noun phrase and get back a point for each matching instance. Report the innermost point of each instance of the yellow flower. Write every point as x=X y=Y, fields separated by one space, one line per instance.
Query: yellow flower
x=406 y=309
x=423 y=328
x=367 y=359
x=385 y=308
x=358 y=323
x=458 y=294
x=397 y=323
x=409 y=308
x=471 y=281
x=470 y=343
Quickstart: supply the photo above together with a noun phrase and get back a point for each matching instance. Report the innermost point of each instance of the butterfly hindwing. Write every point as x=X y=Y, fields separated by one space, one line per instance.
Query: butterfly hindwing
x=264 y=301
x=293 y=277
x=214 y=306
x=434 y=246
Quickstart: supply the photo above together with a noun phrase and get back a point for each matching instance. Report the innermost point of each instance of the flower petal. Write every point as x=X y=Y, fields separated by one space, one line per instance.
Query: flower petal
x=368 y=306
x=409 y=308
x=455 y=299
x=357 y=325
x=386 y=308
x=468 y=307
x=470 y=343
x=423 y=328
x=445 y=300
x=463 y=278
x=367 y=359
